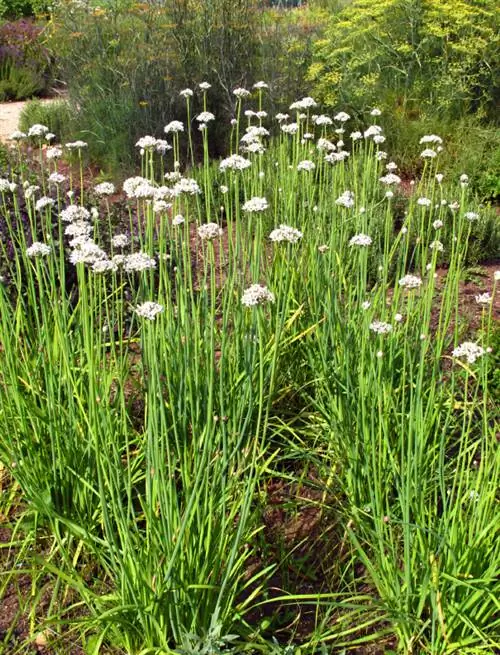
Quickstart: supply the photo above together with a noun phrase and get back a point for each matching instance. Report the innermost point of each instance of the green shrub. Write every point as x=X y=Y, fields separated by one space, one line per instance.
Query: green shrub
x=57 y=115
x=432 y=57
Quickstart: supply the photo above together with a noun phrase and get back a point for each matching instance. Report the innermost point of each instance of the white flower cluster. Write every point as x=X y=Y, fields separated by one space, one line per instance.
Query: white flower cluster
x=428 y=153
x=74 y=213
x=241 y=93
x=120 y=241
x=56 y=178
x=76 y=145
x=43 y=203
x=186 y=185
x=104 y=189
x=285 y=233
x=255 y=204
x=234 y=163
x=431 y=138
x=138 y=261
x=149 y=310
x=205 y=117
x=306 y=165
x=333 y=157
x=469 y=350
x=38 y=130
x=305 y=103
x=379 y=327
x=86 y=251
x=342 y=117
x=390 y=178
x=410 y=282
x=38 y=249
x=146 y=143
x=346 y=200
x=483 y=298
x=360 y=240
x=209 y=231
x=174 y=126
x=256 y=294
x=53 y=152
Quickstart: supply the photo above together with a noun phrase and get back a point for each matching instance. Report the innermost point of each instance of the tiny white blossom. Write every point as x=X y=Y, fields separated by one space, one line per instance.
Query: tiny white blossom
x=471 y=216
x=356 y=136
x=424 y=202
x=437 y=225
x=390 y=178
x=241 y=93
x=428 y=153
x=439 y=177
x=53 y=152
x=375 y=112
x=104 y=189
x=178 y=220
x=174 y=126
x=398 y=318
x=260 y=85
x=366 y=304
x=56 y=178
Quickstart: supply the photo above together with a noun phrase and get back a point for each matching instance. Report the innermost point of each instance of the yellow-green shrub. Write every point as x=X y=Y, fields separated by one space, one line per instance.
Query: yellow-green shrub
x=420 y=56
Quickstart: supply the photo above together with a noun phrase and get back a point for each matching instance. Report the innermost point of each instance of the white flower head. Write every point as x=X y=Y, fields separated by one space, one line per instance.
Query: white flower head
x=54 y=152
x=235 y=163
x=471 y=216
x=483 y=298
x=186 y=93
x=375 y=112
x=138 y=261
x=76 y=145
x=437 y=224
x=256 y=294
x=439 y=177
x=380 y=327
x=390 y=178
x=17 y=135
x=38 y=130
x=346 y=199
x=241 y=93
x=74 y=213
x=178 y=220
x=38 y=249
x=362 y=240
x=56 y=178
x=204 y=86
x=306 y=165
x=424 y=202
x=305 y=103
x=436 y=245
x=468 y=350
x=431 y=138
x=43 y=203
x=255 y=204
x=174 y=126
x=428 y=153
x=342 y=117
x=366 y=304
x=146 y=143
x=209 y=231
x=120 y=241
x=104 y=189
x=410 y=282
x=205 y=117
x=356 y=136
x=285 y=233
x=149 y=310
x=260 y=85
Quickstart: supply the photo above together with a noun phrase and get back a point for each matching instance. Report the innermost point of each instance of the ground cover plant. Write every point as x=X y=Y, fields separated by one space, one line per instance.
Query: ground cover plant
x=239 y=398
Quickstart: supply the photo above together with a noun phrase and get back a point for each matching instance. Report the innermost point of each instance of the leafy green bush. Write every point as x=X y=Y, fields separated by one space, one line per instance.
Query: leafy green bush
x=433 y=57
x=14 y=9
x=56 y=115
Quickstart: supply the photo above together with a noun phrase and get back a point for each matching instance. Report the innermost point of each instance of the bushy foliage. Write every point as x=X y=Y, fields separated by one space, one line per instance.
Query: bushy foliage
x=421 y=56
x=14 y=9
x=125 y=65
x=24 y=61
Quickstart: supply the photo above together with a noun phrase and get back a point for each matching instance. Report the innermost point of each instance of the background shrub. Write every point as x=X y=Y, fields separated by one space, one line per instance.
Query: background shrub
x=25 y=63
x=57 y=115
x=432 y=57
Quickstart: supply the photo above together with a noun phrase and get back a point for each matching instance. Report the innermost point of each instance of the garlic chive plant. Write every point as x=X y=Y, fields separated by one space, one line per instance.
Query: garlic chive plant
x=283 y=313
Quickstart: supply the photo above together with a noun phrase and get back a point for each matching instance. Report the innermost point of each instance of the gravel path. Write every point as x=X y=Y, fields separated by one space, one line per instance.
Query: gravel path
x=9 y=117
